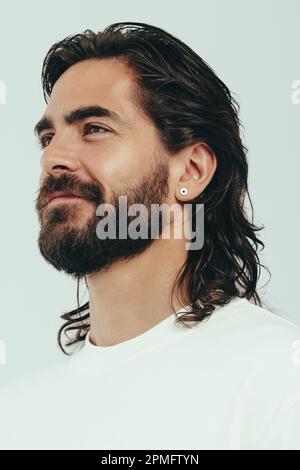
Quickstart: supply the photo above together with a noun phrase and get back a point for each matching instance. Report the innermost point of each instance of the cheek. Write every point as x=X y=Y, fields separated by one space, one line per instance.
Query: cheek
x=43 y=175
x=113 y=165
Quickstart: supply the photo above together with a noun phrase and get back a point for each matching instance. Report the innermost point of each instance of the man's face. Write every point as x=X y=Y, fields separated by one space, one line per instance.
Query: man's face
x=96 y=159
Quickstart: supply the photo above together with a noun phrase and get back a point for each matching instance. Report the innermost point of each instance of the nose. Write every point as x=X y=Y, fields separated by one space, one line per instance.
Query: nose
x=60 y=157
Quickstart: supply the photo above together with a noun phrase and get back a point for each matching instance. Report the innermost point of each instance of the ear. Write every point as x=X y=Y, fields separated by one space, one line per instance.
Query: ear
x=197 y=165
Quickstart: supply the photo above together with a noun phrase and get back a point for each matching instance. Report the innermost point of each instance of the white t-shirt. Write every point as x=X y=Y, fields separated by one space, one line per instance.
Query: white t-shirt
x=230 y=382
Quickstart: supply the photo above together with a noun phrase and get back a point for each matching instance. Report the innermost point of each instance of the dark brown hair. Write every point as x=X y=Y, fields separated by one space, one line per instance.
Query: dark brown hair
x=187 y=103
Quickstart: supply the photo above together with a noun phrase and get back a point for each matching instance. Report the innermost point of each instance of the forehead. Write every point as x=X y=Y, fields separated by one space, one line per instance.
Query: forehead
x=106 y=82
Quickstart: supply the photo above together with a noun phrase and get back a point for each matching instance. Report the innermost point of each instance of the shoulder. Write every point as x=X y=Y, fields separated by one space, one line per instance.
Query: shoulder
x=263 y=343
x=246 y=337
x=29 y=402
x=247 y=320
x=30 y=386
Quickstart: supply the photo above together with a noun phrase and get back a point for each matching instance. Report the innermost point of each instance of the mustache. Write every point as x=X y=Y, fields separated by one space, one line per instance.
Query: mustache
x=71 y=184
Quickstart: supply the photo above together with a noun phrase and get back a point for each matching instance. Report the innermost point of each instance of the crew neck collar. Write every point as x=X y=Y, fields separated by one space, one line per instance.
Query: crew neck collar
x=147 y=338
x=94 y=360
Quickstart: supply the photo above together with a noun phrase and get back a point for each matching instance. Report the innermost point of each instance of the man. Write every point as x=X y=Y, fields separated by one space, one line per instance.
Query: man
x=174 y=349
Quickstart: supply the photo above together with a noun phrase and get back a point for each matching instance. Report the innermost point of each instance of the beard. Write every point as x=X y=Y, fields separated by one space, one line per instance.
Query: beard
x=68 y=239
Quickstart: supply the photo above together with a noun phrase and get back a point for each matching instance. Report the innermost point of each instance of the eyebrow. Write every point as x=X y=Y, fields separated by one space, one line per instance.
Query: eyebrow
x=79 y=114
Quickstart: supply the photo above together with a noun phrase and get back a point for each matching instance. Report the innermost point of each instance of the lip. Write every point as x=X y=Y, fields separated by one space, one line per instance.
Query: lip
x=62 y=196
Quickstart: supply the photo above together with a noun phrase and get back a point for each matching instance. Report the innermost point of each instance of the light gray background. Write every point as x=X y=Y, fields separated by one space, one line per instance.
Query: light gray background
x=254 y=48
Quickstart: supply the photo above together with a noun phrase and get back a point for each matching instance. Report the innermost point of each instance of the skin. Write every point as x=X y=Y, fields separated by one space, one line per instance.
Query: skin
x=114 y=159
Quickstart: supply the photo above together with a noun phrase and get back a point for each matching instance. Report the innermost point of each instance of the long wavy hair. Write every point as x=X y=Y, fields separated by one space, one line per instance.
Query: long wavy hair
x=187 y=103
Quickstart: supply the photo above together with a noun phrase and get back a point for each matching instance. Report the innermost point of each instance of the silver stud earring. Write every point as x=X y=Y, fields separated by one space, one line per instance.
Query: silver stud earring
x=183 y=191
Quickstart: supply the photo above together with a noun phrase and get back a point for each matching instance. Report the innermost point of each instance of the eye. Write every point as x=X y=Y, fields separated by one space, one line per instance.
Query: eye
x=88 y=129
x=94 y=129
x=44 y=139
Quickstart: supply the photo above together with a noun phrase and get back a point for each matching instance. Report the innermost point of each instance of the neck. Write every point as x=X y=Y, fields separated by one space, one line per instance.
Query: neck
x=133 y=296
